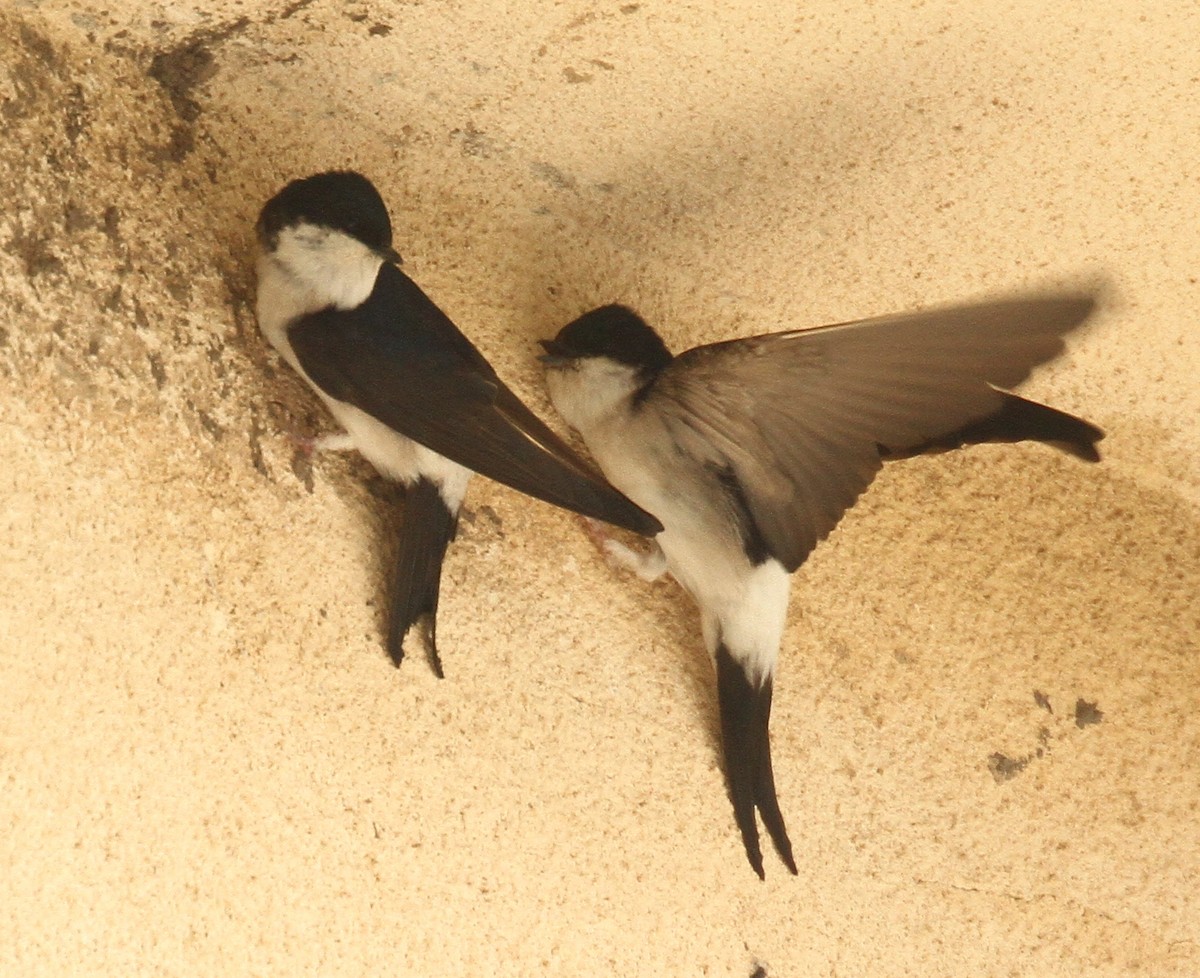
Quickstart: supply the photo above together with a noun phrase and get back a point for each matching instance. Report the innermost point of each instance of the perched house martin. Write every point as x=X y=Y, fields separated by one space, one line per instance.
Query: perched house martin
x=416 y=398
x=750 y=451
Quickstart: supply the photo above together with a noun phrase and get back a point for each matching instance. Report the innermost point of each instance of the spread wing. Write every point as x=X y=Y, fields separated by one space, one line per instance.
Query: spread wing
x=802 y=418
x=399 y=358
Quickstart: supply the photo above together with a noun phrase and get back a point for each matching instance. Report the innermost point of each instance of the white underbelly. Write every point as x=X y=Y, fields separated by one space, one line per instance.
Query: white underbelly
x=741 y=605
x=397 y=457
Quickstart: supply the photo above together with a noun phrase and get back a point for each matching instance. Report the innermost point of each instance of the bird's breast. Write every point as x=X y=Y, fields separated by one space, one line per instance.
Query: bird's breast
x=700 y=539
x=396 y=456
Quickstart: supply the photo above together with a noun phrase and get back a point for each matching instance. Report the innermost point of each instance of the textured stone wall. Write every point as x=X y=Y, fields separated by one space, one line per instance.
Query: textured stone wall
x=986 y=722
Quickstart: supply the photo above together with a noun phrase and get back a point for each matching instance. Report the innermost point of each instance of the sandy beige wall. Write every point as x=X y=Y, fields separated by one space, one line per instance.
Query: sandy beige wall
x=208 y=765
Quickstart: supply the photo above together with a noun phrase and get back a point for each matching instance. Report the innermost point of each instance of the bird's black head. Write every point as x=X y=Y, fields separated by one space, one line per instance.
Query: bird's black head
x=615 y=332
x=340 y=200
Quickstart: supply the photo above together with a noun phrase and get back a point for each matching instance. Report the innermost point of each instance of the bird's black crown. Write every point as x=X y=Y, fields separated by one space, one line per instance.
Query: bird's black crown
x=341 y=200
x=615 y=332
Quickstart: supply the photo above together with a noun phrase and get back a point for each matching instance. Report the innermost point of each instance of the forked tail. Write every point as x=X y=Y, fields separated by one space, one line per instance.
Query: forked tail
x=429 y=526
x=746 y=741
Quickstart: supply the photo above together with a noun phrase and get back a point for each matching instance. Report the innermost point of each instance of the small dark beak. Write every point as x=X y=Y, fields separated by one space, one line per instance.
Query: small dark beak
x=556 y=353
x=391 y=254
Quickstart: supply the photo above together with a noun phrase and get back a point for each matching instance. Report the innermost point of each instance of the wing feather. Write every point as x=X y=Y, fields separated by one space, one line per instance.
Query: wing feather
x=802 y=416
x=400 y=359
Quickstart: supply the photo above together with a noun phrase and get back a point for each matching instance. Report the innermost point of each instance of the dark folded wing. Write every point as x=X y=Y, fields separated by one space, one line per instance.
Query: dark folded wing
x=401 y=360
x=801 y=417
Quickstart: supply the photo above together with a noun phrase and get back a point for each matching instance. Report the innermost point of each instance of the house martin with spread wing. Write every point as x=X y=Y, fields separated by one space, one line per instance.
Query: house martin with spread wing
x=749 y=452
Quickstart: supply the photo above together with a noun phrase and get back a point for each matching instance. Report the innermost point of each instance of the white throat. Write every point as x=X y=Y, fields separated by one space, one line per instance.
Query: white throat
x=590 y=391
x=311 y=268
x=330 y=267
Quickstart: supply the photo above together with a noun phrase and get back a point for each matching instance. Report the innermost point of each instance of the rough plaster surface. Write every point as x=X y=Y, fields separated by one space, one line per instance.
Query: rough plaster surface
x=987 y=723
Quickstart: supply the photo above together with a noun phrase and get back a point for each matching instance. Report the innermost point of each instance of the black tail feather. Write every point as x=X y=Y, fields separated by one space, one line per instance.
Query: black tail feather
x=1016 y=420
x=746 y=740
x=429 y=526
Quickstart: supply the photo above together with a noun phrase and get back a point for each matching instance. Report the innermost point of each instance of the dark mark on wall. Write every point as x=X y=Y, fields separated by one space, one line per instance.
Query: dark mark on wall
x=473 y=141
x=209 y=424
x=177 y=286
x=38 y=44
x=256 y=452
x=290 y=10
x=302 y=468
x=1087 y=713
x=76 y=114
x=1005 y=768
x=140 y=319
x=112 y=223
x=215 y=352
x=470 y=518
x=576 y=77
x=33 y=248
x=553 y=175
x=577 y=22
x=29 y=77
x=40 y=83
x=157 y=370
x=75 y=218
x=180 y=70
